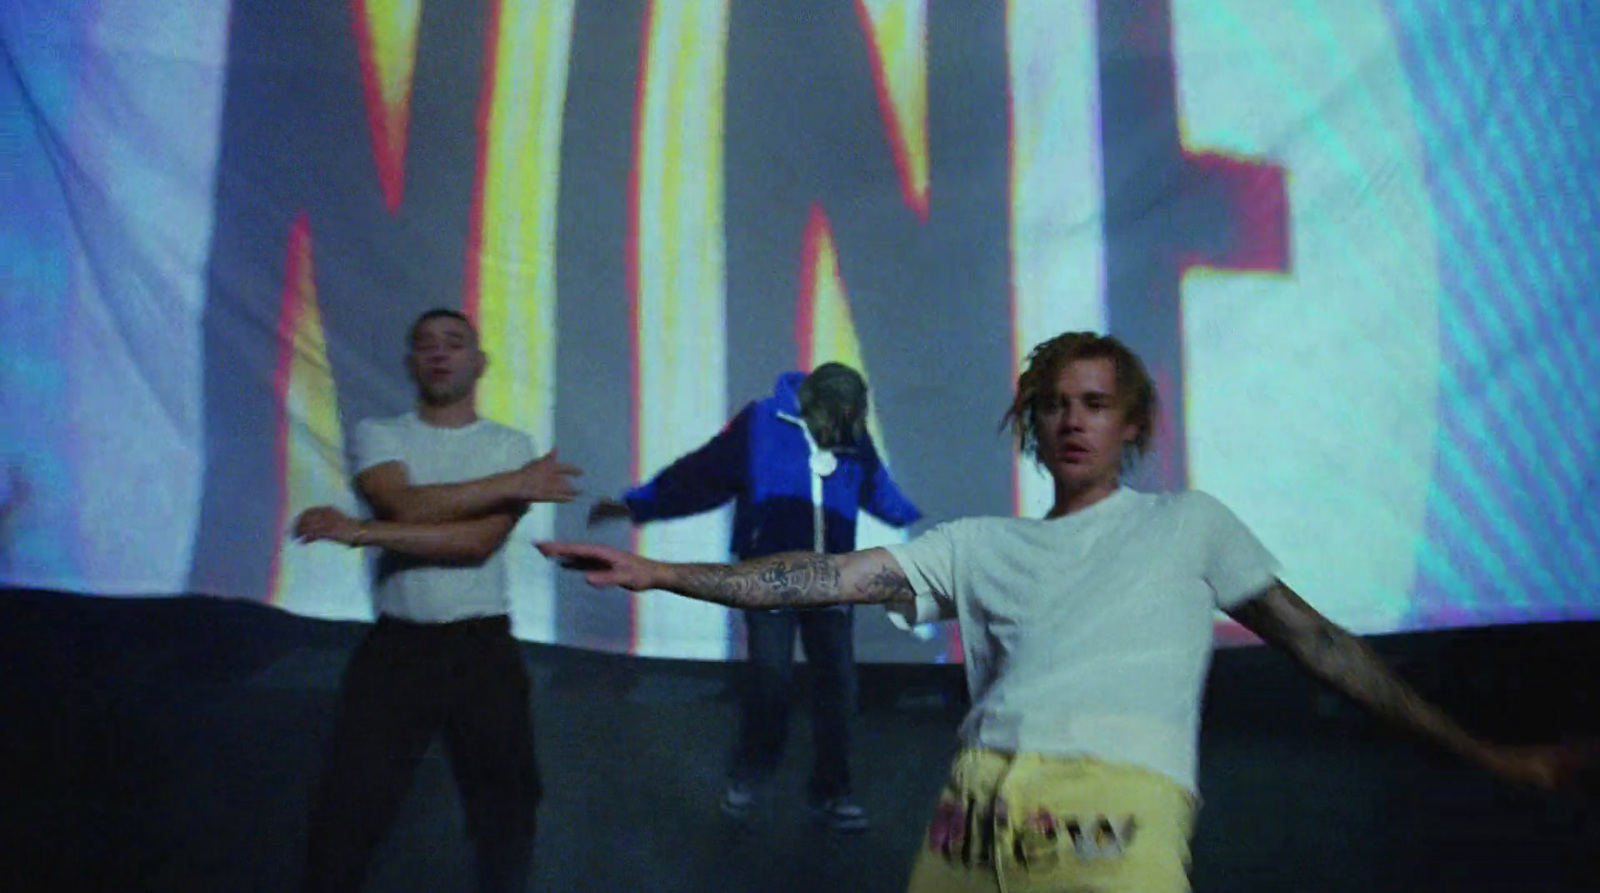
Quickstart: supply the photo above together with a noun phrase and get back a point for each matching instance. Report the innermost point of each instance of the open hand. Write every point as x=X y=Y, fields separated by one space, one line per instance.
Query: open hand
x=547 y=479
x=1552 y=767
x=324 y=522
x=608 y=510
x=604 y=566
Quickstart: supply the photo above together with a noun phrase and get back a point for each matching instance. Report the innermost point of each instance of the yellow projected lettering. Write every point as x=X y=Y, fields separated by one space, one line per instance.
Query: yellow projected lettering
x=511 y=288
x=676 y=256
x=310 y=452
x=897 y=34
x=386 y=37
x=827 y=332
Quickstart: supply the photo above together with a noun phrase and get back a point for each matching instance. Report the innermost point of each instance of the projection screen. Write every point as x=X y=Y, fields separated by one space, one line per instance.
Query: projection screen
x=1355 y=240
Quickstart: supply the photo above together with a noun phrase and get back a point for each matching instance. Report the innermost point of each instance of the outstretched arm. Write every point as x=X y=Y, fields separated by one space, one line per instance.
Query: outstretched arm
x=789 y=580
x=1343 y=662
x=697 y=482
x=881 y=496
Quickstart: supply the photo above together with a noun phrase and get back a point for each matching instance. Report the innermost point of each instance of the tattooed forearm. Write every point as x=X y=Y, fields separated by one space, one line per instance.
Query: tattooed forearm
x=1349 y=666
x=796 y=580
x=790 y=580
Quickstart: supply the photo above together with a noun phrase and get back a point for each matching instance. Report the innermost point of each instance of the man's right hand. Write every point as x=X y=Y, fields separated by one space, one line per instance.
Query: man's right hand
x=1554 y=768
x=608 y=510
x=546 y=479
x=604 y=566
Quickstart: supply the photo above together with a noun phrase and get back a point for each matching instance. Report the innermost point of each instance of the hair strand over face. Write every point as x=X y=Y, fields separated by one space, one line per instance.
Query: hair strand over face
x=1136 y=393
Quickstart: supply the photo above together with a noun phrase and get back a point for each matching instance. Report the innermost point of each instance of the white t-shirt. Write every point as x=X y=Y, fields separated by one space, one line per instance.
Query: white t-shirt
x=1090 y=634
x=414 y=589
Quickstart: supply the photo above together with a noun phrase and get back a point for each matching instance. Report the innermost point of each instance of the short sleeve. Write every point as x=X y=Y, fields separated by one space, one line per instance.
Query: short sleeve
x=1237 y=566
x=929 y=563
x=375 y=444
x=523 y=451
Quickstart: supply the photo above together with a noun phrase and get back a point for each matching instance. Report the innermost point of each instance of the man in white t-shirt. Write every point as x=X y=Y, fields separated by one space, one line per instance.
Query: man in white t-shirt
x=446 y=488
x=1087 y=637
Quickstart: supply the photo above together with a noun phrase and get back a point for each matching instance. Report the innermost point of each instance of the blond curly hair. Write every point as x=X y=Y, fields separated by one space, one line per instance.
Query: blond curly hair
x=1135 y=391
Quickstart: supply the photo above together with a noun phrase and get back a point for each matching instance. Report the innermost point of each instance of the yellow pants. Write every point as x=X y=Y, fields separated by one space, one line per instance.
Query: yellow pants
x=1027 y=823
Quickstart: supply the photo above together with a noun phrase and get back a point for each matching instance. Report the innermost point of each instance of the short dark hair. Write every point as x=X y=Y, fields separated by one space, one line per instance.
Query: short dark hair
x=1136 y=393
x=440 y=313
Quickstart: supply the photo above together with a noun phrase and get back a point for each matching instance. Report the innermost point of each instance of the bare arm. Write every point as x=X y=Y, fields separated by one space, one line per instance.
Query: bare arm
x=794 y=580
x=471 y=541
x=393 y=497
x=468 y=542
x=789 y=580
x=1345 y=663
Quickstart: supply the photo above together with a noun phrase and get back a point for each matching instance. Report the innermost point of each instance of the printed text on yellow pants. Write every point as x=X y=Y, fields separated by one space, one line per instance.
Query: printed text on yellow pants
x=1027 y=823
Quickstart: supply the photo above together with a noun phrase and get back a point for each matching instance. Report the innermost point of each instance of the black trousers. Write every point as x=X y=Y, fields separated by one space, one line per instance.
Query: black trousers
x=406 y=683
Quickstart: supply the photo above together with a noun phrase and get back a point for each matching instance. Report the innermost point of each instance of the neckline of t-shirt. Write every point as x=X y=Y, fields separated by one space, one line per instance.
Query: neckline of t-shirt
x=473 y=425
x=1115 y=497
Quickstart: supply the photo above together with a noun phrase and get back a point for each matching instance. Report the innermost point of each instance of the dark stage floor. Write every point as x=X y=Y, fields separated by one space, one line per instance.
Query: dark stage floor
x=169 y=745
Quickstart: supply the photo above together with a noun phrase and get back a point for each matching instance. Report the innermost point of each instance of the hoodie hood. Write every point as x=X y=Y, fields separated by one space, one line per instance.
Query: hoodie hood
x=787 y=393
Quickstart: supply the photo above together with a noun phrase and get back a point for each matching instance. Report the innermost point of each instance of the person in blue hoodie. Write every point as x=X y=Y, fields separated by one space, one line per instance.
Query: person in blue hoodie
x=799 y=466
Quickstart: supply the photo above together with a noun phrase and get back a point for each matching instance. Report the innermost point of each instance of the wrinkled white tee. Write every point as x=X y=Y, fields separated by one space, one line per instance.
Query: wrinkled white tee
x=1090 y=634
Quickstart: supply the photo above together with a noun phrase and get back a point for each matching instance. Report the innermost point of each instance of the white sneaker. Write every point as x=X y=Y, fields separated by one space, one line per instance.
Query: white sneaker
x=738 y=800
x=842 y=814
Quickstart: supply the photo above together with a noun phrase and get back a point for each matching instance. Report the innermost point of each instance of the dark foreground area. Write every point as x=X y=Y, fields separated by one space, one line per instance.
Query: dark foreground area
x=170 y=745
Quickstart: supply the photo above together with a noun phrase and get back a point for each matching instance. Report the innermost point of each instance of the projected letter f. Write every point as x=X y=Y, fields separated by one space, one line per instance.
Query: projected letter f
x=1168 y=210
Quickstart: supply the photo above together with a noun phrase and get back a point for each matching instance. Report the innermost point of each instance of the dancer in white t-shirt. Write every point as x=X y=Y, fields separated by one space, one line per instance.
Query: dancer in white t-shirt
x=447 y=488
x=1087 y=637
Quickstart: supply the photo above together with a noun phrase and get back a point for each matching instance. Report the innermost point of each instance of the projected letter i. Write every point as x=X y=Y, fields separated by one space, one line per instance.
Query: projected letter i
x=1168 y=209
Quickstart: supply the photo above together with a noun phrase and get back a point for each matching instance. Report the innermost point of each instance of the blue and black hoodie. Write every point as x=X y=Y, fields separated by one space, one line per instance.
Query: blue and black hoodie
x=788 y=494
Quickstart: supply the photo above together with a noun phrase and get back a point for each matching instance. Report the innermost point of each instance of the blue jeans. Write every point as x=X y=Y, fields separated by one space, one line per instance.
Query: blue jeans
x=827 y=636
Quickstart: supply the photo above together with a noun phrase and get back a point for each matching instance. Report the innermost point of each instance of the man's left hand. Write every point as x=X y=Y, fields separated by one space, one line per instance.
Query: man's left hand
x=324 y=522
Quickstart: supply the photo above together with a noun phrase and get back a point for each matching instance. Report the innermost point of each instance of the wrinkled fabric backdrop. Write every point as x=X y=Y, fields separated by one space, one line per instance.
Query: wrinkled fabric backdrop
x=1355 y=240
